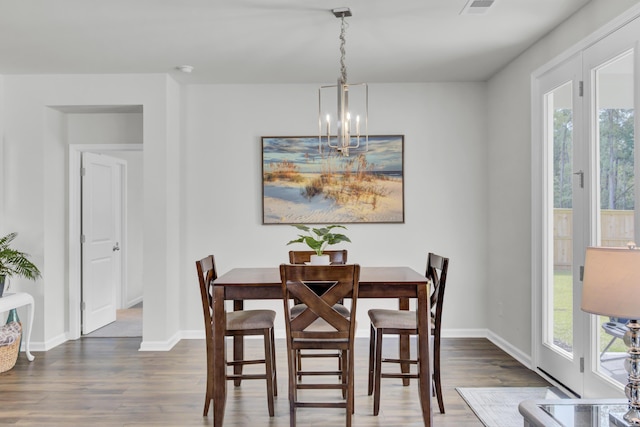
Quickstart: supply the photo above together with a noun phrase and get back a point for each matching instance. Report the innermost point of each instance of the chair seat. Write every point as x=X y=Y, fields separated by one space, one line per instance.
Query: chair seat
x=394 y=319
x=250 y=319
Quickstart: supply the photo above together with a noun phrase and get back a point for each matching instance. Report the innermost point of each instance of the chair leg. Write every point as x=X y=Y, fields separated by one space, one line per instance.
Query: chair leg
x=273 y=363
x=268 y=368
x=372 y=349
x=607 y=348
x=293 y=389
x=238 y=354
x=436 y=373
x=378 y=371
x=209 y=392
x=350 y=387
x=344 y=368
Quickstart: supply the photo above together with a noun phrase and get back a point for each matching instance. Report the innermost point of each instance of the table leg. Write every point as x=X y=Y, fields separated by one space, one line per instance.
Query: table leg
x=27 y=332
x=424 y=333
x=238 y=345
x=219 y=357
x=403 y=341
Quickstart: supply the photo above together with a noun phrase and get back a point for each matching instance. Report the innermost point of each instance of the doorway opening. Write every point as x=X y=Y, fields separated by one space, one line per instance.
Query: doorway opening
x=101 y=126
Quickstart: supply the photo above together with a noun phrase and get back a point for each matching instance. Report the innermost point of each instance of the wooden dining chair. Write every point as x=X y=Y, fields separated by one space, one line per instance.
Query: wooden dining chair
x=404 y=322
x=335 y=257
x=320 y=326
x=238 y=323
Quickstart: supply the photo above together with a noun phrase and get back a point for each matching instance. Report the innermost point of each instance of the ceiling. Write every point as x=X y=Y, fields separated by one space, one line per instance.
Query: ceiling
x=272 y=41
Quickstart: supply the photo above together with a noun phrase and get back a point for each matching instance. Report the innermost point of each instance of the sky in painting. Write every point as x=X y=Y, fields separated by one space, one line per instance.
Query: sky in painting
x=385 y=152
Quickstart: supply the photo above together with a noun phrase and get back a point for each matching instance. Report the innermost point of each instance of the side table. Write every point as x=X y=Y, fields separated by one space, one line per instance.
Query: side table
x=15 y=300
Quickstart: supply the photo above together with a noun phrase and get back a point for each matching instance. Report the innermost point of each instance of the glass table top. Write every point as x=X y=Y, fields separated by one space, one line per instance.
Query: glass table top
x=585 y=415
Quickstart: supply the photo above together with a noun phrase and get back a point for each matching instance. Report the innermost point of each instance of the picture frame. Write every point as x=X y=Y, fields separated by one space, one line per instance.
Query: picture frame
x=304 y=181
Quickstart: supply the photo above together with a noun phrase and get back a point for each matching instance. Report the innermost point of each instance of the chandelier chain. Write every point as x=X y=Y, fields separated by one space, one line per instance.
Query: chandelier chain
x=343 y=40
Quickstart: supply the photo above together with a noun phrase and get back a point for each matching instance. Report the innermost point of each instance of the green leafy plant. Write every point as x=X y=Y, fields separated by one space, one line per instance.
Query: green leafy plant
x=14 y=262
x=319 y=238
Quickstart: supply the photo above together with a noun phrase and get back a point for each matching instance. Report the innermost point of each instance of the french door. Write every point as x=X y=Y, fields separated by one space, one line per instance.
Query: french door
x=612 y=82
x=563 y=209
x=585 y=187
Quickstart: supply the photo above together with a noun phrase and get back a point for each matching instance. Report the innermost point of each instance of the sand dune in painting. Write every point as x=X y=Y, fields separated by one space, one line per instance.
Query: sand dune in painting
x=285 y=202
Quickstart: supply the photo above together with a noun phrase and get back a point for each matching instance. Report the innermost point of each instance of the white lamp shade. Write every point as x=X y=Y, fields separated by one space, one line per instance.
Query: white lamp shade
x=611 y=282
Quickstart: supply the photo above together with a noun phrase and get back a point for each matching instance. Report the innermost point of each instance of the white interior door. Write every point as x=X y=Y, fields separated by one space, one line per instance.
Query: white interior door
x=101 y=231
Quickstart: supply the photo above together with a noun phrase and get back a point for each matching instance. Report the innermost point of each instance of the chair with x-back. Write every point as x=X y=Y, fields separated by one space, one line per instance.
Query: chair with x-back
x=404 y=322
x=335 y=257
x=320 y=326
x=238 y=324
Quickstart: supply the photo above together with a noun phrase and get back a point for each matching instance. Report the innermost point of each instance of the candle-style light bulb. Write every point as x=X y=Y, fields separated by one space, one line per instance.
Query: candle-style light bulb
x=328 y=127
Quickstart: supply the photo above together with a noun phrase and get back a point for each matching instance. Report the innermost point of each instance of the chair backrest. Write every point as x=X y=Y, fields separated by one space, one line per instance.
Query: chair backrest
x=206 y=268
x=300 y=257
x=338 y=282
x=437 y=267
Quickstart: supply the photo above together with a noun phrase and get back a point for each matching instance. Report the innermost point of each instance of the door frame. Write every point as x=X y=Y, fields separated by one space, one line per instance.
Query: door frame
x=75 y=249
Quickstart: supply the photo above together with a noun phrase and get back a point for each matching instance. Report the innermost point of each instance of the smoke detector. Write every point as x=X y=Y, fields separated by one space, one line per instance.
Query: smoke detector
x=185 y=68
x=477 y=7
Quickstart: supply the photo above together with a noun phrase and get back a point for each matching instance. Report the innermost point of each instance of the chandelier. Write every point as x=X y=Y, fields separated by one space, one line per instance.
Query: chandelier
x=352 y=101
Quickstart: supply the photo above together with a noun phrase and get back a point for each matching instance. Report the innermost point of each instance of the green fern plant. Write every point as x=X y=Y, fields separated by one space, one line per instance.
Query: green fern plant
x=319 y=238
x=14 y=262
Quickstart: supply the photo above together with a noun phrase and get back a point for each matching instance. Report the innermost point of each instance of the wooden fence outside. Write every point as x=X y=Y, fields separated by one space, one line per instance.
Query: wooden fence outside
x=616 y=230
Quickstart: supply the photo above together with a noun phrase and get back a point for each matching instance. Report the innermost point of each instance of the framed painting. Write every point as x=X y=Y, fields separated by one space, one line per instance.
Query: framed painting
x=303 y=183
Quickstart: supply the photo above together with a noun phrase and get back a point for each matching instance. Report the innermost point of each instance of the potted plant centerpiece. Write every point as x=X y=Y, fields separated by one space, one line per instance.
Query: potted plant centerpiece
x=318 y=239
x=14 y=262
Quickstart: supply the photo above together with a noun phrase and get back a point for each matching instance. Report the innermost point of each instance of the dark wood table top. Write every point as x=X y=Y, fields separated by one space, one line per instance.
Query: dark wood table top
x=266 y=276
x=375 y=282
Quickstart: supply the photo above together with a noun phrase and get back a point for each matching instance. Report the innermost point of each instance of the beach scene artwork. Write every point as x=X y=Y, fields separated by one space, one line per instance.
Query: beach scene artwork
x=303 y=185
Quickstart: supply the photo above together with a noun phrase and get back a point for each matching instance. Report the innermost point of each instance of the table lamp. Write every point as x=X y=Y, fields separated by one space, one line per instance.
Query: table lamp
x=611 y=287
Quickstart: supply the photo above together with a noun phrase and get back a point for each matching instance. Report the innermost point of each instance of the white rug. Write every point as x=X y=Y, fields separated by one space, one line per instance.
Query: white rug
x=498 y=406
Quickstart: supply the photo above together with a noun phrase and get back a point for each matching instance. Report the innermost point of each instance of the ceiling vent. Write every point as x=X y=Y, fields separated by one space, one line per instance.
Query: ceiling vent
x=477 y=7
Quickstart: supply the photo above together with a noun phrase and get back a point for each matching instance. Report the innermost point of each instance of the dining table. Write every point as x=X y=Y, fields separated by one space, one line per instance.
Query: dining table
x=263 y=283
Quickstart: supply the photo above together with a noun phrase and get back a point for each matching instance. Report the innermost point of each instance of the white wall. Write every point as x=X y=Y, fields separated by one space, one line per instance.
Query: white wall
x=3 y=178
x=509 y=168
x=104 y=128
x=445 y=185
x=36 y=189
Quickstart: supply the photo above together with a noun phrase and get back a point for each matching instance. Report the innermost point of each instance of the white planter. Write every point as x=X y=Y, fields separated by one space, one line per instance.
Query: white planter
x=320 y=260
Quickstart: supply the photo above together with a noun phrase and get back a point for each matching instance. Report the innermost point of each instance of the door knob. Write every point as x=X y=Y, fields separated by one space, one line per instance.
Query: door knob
x=116 y=247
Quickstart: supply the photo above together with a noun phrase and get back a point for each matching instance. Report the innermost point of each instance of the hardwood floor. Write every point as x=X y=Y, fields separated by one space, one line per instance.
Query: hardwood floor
x=108 y=382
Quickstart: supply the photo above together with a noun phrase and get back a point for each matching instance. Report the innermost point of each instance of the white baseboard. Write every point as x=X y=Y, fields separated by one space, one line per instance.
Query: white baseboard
x=199 y=334
x=47 y=345
x=512 y=351
x=161 y=345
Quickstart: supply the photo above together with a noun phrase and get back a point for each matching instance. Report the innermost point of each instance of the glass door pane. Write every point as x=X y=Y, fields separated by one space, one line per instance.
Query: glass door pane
x=614 y=106
x=560 y=297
